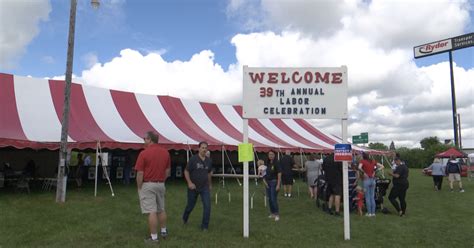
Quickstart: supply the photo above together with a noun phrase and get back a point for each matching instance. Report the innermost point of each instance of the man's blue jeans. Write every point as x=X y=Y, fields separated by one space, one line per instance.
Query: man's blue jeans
x=206 y=206
x=272 y=196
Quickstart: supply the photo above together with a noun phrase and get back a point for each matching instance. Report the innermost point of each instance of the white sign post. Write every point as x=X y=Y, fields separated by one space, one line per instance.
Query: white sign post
x=299 y=93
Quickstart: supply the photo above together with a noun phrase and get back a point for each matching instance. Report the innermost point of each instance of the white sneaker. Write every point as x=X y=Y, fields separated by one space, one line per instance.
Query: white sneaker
x=461 y=190
x=368 y=215
x=286 y=195
x=373 y=215
x=271 y=216
x=277 y=218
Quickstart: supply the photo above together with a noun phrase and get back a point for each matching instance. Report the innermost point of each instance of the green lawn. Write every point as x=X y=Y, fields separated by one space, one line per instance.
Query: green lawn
x=434 y=219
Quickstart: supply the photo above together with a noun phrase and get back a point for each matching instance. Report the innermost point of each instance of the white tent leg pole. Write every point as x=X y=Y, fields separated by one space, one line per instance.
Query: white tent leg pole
x=300 y=172
x=223 y=167
x=96 y=167
x=246 y=182
x=108 y=180
x=345 y=185
x=255 y=170
x=255 y=158
x=232 y=168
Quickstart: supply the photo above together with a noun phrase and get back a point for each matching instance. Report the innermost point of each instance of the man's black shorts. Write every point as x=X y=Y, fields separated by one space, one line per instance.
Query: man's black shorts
x=287 y=179
x=335 y=189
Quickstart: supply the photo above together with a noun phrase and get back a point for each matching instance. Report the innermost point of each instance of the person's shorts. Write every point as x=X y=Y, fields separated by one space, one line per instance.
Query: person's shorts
x=454 y=177
x=287 y=179
x=152 y=197
x=335 y=189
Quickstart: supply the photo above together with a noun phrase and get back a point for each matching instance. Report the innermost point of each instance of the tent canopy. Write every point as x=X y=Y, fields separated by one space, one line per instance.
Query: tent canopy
x=451 y=152
x=31 y=114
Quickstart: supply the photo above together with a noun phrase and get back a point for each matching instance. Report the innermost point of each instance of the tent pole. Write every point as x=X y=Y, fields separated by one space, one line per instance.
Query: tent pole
x=187 y=152
x=223 y=167
x=302 y=162
x=255 y=158
x=96 y=167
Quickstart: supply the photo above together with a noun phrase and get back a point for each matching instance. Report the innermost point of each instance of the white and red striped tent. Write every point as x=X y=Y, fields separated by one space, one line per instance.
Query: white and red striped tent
x=31 y=113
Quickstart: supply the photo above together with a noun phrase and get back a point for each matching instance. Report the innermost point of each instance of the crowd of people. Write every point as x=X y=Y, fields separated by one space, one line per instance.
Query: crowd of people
x=153 y=167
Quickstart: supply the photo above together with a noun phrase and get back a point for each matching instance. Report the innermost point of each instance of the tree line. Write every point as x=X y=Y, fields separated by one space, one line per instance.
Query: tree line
x=416 y=157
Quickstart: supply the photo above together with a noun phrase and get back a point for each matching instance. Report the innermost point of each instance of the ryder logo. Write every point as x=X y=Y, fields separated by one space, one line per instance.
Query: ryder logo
x=433 y=48
x=429 y=48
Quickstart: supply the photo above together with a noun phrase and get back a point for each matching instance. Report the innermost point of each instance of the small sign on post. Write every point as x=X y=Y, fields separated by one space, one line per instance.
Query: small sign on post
x=343 y=152
x=245 y=152
x=363 y=138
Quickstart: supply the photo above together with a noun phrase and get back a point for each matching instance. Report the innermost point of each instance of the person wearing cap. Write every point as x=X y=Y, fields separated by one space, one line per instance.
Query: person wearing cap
x=400 y=187
x=153 y=167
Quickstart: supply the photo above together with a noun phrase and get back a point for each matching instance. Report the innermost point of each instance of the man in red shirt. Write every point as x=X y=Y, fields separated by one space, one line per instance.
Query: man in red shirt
x=153 y=167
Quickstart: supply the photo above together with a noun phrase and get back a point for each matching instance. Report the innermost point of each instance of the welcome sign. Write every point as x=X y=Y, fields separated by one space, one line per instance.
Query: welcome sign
x=300 y=93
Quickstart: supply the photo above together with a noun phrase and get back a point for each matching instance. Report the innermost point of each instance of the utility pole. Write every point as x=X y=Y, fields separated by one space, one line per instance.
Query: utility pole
x=63 y=161
x=62 y=177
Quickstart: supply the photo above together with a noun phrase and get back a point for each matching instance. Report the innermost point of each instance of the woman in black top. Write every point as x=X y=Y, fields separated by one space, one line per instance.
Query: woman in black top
x=400 y=187
x=273 y=179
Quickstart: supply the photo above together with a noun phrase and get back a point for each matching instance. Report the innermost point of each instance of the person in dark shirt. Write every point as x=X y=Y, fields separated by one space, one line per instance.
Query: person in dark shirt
x=287 y=163
x=333 y=172
x=400 y=186
x=453 y=170
x=198 y=174
x=273 y=179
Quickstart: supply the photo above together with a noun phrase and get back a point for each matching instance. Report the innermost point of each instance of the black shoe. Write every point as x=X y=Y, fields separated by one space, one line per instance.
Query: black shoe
x=164 y=234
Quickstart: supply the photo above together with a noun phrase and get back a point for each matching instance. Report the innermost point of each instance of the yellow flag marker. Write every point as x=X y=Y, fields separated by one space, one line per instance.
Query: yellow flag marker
x=245 y=152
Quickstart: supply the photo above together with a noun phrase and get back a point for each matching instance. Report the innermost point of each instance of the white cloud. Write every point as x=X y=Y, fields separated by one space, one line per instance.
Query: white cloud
x=199 y=78
x=390 y=97
x=19 y=21
x=409 y=23
x=381 y=22
x=90 y=59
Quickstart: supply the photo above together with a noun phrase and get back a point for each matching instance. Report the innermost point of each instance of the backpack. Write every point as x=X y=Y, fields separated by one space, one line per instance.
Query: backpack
x=453 y=167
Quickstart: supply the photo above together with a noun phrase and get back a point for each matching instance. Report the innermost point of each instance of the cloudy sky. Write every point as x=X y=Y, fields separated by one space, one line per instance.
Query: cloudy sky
x=196 y=50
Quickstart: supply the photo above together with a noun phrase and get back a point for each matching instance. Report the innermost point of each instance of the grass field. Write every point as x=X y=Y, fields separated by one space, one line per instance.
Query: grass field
x=434 y=219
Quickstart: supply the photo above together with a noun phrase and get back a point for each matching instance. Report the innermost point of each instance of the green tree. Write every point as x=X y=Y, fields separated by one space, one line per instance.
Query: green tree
x=392 y=146
x=414 y=158
x=422 y=157
x=378 y=146
x=428 y=142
